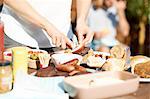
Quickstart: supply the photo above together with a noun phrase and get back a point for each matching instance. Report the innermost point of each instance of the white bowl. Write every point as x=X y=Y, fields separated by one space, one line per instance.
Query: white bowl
x=101 y=85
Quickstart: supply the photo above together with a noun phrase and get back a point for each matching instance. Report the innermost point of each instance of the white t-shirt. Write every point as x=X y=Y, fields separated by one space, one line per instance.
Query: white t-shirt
x=99 y=21
x=55 y=11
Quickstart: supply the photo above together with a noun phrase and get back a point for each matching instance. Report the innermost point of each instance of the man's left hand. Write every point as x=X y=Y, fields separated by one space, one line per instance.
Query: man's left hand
x=120 y=5
x=85 y=35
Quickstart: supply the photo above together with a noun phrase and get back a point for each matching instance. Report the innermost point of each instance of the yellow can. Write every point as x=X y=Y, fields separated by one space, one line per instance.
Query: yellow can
x=20 y=60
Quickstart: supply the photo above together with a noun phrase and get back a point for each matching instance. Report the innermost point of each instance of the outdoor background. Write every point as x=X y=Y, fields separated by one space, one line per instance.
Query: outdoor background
x=138 y=15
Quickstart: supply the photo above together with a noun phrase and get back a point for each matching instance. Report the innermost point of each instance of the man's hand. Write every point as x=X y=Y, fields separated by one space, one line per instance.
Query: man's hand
x=120 y=5
x=85 y=35
x=83 y=32
x=58 y=38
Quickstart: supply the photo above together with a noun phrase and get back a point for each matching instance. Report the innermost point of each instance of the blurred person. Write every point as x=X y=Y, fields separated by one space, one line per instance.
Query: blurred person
x=44 y=23
x=106 y=17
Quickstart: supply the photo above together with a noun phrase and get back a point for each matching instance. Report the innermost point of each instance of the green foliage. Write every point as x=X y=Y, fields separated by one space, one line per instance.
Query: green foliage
x=138 y=8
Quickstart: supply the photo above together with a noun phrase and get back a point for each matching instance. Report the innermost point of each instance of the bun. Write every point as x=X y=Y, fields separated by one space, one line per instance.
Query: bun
x=138 y=59
x=114 y=64
x=120 y=52
x=93 y=61
x=143 y=69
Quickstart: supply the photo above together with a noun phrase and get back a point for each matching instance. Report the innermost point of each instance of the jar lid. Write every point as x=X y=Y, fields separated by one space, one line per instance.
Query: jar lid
x=5 y=63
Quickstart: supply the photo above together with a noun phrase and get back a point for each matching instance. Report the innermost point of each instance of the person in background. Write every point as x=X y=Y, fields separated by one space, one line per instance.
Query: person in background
x=44 y=23
x=106 y=18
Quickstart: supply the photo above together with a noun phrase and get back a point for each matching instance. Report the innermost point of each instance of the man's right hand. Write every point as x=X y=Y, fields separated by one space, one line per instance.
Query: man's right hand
x=58 y=38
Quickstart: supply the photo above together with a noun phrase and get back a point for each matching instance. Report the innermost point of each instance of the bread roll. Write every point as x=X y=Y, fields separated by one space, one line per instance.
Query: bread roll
x=114 y=64
x=33 y=63
x=93 y=61
x=138 y=59
x=121 y=52
x=85 y=57
x=142 y=69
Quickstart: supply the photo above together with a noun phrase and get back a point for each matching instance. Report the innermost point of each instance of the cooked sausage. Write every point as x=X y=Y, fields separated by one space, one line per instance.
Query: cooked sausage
x=65 y=68
x=72 y=62
x=82 y=51
x=73 y=72
x=80 y=68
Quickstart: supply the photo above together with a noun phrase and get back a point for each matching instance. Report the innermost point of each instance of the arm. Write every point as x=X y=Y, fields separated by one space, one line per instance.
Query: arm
x=123 y=26
x=1 y=2
x=82 y=10
x=1 y=5
x=25 y=10
x=82 y=28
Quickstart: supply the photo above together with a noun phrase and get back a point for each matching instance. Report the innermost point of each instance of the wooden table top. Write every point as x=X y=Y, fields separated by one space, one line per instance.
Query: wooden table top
x=142 y=93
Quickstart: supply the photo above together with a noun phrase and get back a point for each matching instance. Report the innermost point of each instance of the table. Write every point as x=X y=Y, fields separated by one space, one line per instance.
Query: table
x=142 y=93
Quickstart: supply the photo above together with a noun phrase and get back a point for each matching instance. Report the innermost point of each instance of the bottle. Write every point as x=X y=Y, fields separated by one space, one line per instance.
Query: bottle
x=20 y=61
x=1 y=40
x=6 y=76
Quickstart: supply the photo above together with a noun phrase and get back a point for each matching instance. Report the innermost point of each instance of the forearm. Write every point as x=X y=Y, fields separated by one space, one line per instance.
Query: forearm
x=24 y=9
x=82 y=10
x=1 y=5
x=1 y=2
x=123 y=25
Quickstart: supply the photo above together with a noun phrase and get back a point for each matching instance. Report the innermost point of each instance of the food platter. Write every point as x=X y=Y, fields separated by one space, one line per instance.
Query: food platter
x=72 y=65
x=102 y=57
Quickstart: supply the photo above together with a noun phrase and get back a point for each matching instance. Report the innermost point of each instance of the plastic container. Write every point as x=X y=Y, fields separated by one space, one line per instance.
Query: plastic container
x=101 y=85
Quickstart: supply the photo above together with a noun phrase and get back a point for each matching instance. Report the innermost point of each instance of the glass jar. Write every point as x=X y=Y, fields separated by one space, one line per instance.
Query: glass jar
x=6 y=76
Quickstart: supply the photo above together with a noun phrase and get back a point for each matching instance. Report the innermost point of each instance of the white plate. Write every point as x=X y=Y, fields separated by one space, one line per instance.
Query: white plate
x=144 y=79
x=102 y=53
x=63 y=58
